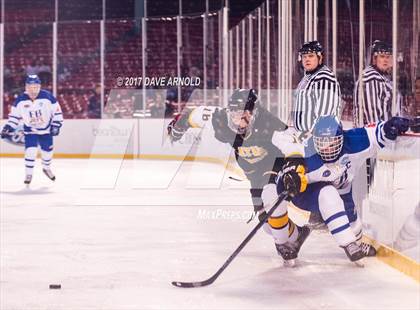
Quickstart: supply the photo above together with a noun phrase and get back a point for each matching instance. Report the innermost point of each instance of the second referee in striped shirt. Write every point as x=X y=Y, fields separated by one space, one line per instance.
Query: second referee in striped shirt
x=318 y=93
x=376 y=100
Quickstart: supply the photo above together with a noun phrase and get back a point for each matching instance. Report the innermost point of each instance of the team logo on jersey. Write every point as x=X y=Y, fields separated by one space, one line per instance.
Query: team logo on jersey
x=17 y=137
x=326 y=173
x=26 y=105
x=252 y=154
x=36 y=118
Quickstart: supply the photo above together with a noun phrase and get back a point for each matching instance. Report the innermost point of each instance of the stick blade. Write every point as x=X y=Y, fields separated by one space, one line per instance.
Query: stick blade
x=190 y=284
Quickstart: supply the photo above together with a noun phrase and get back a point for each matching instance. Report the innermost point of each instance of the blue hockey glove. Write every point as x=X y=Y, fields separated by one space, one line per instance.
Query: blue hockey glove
x=55 y=130
x=6 y=131
x=395 y=126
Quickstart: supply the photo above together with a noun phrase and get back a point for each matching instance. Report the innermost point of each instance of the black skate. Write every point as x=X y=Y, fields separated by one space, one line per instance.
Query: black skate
x=28 y=179
x=286 y=250
x=316 y=222
x=353 y=251
x=303 y=233
x=290 y=250
x=49 y=174
x=368 y=249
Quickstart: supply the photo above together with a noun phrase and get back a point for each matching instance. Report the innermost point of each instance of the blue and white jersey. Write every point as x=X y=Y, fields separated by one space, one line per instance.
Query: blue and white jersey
x=359 y=144
x=37 y=116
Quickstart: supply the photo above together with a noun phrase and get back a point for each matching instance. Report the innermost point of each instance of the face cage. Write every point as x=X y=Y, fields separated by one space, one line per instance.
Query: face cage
x=232 y=114
x=328 y=147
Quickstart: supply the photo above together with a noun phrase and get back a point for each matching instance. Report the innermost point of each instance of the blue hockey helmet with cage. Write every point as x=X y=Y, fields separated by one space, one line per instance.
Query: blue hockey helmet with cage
x=328 y=137
x=32 y=79
x=311 y=47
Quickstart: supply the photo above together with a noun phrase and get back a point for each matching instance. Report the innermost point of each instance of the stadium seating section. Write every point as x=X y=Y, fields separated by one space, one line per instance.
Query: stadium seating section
x=29 y=48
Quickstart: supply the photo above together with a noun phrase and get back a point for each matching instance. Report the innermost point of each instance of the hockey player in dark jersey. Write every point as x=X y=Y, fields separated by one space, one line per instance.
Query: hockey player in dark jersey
x=249 y=129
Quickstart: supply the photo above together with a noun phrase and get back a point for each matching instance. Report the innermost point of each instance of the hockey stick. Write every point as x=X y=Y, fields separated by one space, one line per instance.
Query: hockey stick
x=213 y=278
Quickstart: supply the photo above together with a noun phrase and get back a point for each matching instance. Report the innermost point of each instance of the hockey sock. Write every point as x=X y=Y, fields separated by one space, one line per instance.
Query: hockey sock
x=332 y=210
x=293 y=231
x=279 y=223
x=46 y=159
x=30 y=155
x=356 y=226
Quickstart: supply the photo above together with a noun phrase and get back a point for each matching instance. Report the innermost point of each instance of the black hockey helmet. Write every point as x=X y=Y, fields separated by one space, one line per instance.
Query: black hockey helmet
x=242 y=109
x=311 y=47
x=380 y=47
x=243 y=99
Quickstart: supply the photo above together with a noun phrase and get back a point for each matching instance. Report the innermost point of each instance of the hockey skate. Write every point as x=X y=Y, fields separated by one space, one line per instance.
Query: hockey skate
x=353 y=251
x=28 y=179
x=290 y=250
x=368 y=249
x=49 y=174
x=316 y=222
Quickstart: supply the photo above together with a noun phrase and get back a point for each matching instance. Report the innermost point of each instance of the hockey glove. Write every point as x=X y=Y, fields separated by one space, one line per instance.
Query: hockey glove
x=6 y=131
x=55 y=130
x=395 y=126
x=179 y=125
x=294 y=178
x=175 y=132
x=222 y=132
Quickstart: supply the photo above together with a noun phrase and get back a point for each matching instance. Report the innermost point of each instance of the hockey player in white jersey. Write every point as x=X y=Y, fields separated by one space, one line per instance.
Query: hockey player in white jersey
x=328 y=163
x=42 y=119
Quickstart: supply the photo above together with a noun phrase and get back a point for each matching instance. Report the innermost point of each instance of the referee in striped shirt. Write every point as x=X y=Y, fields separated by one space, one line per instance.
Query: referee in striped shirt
x=376 y=103
x=318 y=93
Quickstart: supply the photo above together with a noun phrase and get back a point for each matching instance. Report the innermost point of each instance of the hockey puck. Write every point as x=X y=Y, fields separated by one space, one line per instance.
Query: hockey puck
x=55 y=286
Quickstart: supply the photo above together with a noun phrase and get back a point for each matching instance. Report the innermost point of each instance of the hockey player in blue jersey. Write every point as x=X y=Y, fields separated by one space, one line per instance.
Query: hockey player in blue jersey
x=42 y=119
x=320 y=178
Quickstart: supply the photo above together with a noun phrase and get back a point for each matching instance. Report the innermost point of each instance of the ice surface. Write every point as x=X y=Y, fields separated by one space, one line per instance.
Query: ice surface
x=120 y=247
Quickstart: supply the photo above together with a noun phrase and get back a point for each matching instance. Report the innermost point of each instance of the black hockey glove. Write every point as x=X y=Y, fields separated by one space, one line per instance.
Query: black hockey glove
x=6 y=131
x=222 y=132
x=55 y=130
x=179 y=125
x=395 y=126
x=294 y=178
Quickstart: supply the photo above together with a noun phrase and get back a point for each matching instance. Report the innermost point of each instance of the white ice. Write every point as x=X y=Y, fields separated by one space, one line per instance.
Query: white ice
x=120 y=247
